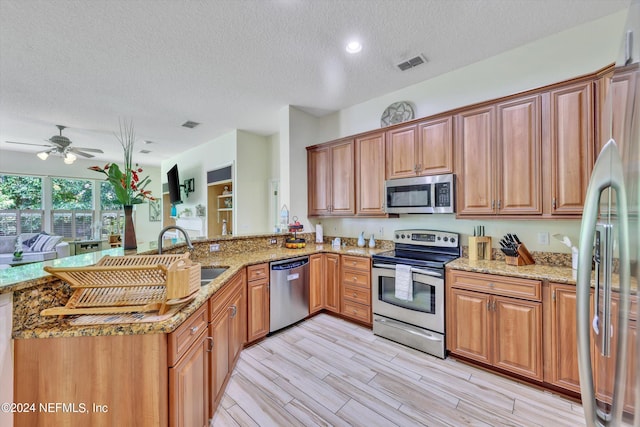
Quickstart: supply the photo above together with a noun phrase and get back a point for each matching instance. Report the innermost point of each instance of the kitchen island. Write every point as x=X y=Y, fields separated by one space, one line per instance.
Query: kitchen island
x=168 y=372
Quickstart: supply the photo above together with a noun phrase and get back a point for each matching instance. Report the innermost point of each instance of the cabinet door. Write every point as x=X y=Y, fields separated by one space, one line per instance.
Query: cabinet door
x=316 y=283
x=332 y=285
x=370 y=173
x=612 y=110
x=258 y=309
x=571 y=134
x=469 y=335
x=517 y=336
x=237 y=325
x=319 y=180
x=189 y=387
x=476 y=169
x=220 y=363
x=435 y=146
x=401 y=152
x=519 y=157
x=342 y=179
x=564 y=355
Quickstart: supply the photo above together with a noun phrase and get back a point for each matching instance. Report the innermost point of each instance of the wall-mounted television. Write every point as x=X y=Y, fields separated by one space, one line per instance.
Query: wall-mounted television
x=173 y=180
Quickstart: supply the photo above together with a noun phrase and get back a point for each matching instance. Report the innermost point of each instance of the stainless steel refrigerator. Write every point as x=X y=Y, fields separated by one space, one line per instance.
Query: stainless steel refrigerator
x=609 y=248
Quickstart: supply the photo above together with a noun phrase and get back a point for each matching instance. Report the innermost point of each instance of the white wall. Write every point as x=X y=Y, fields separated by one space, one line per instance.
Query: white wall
x=578 y=51
x=252 y=185
x=14 y=162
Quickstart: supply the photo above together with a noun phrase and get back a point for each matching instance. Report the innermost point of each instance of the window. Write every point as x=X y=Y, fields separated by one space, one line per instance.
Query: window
x=111 y=212
x=20 y=205
x=72 y=203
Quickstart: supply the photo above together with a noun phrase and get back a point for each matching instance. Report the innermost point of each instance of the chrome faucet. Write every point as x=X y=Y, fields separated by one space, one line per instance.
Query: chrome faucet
x=174 y=227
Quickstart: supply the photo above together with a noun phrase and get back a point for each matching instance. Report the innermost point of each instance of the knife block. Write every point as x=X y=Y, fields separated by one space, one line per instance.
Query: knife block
x=478 y=252
x=524 y=258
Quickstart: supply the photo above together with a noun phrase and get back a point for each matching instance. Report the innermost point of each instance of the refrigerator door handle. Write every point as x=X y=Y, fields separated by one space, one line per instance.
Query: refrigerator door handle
x=607 y=173
x=595 y=323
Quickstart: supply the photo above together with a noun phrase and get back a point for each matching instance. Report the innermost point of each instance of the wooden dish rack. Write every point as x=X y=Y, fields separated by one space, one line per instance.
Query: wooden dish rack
x=128 y=284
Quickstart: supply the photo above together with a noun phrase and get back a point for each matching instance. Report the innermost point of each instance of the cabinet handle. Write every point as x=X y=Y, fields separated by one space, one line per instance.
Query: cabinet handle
x=355 y=279
x=499 y=203
x=553 y=203
x=355 y=295
x=493 y=204
x=488 y=305
x=210 y=339
x=491 y=285
x=494 y=306
x=194 y=330
x=234 y=311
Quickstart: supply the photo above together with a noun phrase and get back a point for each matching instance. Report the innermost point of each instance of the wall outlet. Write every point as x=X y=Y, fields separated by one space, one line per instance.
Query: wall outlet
x=214 y=247
x=273 y=241
x=543 y=238
x=381 y=231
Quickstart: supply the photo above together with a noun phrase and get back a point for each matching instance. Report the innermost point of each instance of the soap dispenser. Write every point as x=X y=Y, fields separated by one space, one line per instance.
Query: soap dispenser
x=361 y=240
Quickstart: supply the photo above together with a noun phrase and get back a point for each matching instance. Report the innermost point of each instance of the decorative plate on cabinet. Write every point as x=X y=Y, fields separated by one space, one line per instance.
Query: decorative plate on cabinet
x=397 y=112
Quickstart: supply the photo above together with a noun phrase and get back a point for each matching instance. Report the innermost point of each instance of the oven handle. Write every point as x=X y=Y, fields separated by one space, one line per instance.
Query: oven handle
x=413 y=270
x=411 y=331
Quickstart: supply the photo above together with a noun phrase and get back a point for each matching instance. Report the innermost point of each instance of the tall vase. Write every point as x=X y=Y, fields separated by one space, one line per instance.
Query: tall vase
x=129 y=229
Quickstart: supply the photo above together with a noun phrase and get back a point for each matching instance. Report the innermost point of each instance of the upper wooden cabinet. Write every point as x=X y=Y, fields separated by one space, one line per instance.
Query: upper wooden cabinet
x=370 y=173
x=331 y=179
x=499 y=159
x=421 y=149
x=571 y=129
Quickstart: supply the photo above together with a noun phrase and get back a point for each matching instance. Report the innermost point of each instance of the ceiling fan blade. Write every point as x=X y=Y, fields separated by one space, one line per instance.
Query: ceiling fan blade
x=26 y=143
x=81 y=153
x=91 y=150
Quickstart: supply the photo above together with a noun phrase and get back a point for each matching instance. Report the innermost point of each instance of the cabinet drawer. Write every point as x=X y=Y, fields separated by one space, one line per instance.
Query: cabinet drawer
x=357 y=294
x=356 y=263
x=357 y=311
x=356 y=278
x=257 y=272
x=181 y=339
x=220 y=300
x=496 y=285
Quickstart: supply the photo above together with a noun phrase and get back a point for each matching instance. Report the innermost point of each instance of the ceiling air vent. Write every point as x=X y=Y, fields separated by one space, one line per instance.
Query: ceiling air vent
x=145 y=151
x=410 y=63
x=189 y=124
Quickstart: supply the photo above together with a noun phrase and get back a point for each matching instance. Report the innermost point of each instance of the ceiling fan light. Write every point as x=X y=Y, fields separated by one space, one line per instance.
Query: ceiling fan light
x=69 y=158
x=43 y=155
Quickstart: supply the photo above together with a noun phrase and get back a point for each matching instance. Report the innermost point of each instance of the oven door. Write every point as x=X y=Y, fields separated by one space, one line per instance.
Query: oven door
x=427 y=308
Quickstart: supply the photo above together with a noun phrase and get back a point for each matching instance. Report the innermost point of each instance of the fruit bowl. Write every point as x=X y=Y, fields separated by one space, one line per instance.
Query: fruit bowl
x=292 y=243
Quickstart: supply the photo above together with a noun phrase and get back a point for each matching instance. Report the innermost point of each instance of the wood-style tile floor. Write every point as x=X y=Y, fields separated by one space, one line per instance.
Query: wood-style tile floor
x=326 y=371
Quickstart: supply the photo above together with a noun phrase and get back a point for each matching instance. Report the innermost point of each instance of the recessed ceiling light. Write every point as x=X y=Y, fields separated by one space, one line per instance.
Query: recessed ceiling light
x=354 y=47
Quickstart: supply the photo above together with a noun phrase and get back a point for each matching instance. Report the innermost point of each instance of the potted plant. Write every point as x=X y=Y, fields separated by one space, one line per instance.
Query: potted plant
x=17 y=253
x=126 y=182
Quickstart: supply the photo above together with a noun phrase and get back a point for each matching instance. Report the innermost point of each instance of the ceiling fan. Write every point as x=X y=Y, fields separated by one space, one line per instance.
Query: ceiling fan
x=60 y=146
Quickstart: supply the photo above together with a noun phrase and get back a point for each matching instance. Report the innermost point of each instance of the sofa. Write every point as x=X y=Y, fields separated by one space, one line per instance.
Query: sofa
x=35 y=247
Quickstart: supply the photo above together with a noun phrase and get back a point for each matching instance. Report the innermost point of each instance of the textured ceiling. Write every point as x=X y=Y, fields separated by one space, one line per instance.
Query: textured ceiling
x=233 y=64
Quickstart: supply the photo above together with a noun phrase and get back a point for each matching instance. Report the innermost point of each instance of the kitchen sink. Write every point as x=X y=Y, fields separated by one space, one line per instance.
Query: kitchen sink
x=207 y=274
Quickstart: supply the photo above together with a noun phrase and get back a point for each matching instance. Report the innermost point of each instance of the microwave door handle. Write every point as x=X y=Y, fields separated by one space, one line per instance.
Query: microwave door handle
x=606 y=173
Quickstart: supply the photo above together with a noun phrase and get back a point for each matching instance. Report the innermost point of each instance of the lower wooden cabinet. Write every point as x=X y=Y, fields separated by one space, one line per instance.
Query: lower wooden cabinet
x=355 y=288
x=488 y=325
x=228 y=330
x=324 y=283
x=561 y=351
x=257 y=301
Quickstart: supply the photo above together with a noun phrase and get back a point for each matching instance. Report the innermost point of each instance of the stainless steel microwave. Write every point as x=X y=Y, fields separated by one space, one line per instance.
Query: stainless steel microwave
x=422 y=194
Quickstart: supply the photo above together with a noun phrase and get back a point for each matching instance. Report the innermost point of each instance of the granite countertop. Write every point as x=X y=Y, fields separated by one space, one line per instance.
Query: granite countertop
x=49 y=327
x=551 y=273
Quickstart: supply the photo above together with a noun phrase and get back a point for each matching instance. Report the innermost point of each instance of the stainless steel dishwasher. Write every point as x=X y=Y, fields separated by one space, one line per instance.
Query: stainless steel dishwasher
x=289 y=293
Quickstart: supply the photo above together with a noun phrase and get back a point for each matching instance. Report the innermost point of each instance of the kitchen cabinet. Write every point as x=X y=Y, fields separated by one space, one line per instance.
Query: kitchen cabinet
x=370 y=175
x=228 y=331
x=604 y=366
x=496 y=320
x=331 y=186
x=355 y=288
x=324 y=283
x=425 y=148
x=257 y=301
x=189 y=348
x=561 y=353
x=500 y=158
x=571 y=132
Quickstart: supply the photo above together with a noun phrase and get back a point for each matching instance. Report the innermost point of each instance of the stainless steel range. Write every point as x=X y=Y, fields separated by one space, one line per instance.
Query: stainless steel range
x=408 y=289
